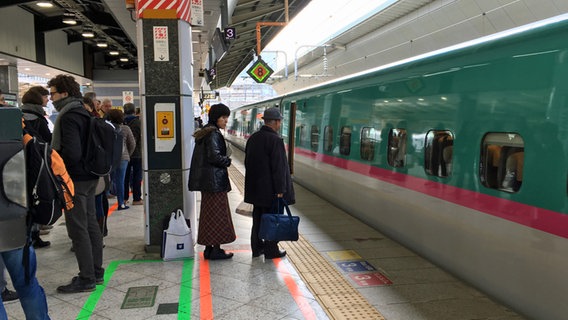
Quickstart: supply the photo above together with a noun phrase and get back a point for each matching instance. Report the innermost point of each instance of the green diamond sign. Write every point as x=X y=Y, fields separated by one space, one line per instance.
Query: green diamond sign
x=260 y=71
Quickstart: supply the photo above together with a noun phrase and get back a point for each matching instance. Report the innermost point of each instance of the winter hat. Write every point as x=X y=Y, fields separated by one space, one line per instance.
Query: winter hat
x=272 y=114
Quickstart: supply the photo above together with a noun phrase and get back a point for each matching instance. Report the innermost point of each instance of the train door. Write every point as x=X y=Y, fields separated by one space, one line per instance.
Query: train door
x=291 y=136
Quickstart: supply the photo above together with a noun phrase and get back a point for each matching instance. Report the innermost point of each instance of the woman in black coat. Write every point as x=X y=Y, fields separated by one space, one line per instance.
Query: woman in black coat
x=208 y=174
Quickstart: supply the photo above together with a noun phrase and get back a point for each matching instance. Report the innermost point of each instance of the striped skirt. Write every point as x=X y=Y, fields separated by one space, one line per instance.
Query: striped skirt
x=215 y=222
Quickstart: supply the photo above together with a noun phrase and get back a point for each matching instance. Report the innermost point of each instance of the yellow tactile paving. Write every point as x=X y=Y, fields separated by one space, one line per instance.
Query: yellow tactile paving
x=335 y=294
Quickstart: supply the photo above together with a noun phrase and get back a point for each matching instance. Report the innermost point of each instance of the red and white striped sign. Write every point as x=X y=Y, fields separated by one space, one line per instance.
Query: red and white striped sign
x=182 y=7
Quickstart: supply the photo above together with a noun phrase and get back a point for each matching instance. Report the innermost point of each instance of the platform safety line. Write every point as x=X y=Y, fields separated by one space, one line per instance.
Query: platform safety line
x=184 y=302
x=205 y=295
x=301 y=301
x=89 y=306
x=113 y=208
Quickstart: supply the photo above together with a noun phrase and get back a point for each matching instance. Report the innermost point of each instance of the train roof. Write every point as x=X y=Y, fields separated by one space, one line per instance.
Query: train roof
x=454 y=49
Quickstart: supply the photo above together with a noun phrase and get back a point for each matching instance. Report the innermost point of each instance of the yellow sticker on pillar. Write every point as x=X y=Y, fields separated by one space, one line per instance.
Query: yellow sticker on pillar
x=165 y=133
x=165 y=124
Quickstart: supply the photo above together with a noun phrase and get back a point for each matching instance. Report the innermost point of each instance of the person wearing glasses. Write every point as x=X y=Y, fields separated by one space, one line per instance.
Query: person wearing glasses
x=70 y=136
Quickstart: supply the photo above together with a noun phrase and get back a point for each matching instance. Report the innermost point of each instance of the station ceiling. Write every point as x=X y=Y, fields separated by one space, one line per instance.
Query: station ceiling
x=114 y=23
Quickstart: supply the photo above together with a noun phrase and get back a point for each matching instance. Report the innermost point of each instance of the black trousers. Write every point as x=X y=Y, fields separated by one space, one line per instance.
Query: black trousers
x=270 y=247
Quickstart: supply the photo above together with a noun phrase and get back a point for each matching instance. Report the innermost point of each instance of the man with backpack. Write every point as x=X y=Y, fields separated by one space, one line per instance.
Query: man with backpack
x=19 y=259
x=70 y=138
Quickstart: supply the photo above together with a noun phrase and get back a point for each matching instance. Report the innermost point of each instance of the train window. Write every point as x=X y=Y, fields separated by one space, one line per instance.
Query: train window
x=502 y=160
x=315 y=138
x=396 y=152
x=438 y=151
x=369 y=139
x=345 y=141
x=328 y=138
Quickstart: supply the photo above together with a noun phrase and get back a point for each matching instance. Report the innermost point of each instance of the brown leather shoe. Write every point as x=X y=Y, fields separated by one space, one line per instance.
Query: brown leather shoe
x=137 y=203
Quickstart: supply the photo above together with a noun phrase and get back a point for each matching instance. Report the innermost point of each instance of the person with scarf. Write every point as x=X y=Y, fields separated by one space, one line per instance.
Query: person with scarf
x=70 y=136
x=208 y=174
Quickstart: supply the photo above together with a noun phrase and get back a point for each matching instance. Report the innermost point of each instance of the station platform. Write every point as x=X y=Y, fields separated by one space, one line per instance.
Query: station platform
x=339 y=269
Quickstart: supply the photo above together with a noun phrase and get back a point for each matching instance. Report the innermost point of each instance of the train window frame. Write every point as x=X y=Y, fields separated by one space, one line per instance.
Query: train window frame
x=301 y=135
x=328 y=138
x=438 y=153
x=345 y=140
x=396 y=148
x=314 y=138
x=501 y=161
x=369 y=143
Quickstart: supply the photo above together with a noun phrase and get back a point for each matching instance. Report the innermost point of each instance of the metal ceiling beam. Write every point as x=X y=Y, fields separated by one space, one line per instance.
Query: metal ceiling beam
x=245 y=3
x=73 y=7
x=255 y=15
x=8 y=3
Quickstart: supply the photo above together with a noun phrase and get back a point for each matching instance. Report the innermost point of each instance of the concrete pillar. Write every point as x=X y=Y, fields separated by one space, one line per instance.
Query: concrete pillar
x=166 y=87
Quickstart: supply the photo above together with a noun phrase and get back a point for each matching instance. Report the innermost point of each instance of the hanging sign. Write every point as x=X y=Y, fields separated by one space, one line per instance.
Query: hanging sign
x=260 y=71
x=230 y=33
x=161 y=44
x=196 y=18
x=127 y=97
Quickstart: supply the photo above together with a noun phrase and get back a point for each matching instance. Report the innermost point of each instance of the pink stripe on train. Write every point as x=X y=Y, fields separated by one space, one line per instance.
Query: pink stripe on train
x=533 y=217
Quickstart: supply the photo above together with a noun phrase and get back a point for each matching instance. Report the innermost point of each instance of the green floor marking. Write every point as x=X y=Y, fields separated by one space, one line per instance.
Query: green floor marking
x=184 y=310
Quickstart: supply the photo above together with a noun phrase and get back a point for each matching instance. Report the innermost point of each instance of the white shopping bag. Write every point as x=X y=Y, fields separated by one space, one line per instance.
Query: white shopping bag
x=177 y=242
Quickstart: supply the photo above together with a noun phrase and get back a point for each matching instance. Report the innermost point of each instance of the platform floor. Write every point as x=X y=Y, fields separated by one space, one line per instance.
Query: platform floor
x=340 y=269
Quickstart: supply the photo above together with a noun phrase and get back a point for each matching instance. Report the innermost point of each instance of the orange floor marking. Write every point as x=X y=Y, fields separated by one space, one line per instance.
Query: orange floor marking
x=112 y=208
x=301 y=301
x=205 y=298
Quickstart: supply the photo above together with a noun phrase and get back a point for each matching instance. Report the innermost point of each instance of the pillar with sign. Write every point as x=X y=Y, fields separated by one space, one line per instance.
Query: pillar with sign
x=166 y=87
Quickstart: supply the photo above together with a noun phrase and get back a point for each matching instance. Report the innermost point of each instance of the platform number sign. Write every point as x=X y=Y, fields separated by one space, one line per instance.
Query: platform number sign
x=260 y=71
x=230 y=33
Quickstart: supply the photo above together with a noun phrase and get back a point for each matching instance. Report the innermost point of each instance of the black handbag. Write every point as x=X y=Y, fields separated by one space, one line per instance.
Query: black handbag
x=276 y=226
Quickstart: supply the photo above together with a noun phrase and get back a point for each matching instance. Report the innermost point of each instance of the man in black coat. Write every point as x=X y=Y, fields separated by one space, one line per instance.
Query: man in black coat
x=134 y=169
x=70 y=137
x=267 y=178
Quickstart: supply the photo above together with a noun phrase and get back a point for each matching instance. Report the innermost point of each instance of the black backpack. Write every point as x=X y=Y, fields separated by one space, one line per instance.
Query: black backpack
x=13 y=198
x=45 y=189
x=104 y=147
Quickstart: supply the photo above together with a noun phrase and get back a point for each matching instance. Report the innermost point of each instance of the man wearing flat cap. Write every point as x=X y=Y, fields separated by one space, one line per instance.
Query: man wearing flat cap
x=267 y=178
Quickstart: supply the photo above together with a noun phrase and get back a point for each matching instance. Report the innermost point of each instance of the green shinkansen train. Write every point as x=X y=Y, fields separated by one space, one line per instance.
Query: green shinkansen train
x=460 y=154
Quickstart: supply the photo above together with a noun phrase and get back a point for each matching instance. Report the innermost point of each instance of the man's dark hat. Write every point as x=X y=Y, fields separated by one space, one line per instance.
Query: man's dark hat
x=272 y=114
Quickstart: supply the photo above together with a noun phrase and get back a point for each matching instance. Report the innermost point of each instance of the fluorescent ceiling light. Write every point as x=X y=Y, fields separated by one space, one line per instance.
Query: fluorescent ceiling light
x=69 y=18
x=124 y=59
x=44 y=4
x=88 y=33
x=70 y=21
x=114 y=53
x=102 y=44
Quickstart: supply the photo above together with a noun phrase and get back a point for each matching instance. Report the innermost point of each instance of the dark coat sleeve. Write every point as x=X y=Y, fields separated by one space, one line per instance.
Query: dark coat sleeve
x=217 y=150
x=278 y=166
x=209 y=164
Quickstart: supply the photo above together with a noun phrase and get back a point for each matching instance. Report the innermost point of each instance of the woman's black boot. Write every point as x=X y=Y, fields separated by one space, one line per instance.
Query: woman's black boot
x=207 y=252
x=37 y=242
x=218 y=254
